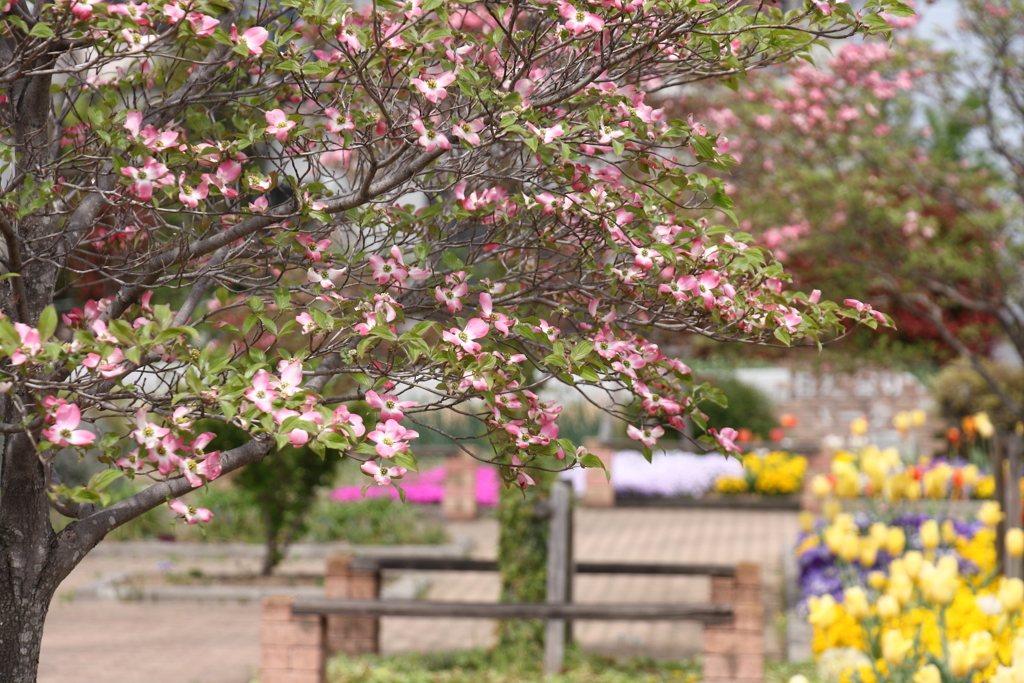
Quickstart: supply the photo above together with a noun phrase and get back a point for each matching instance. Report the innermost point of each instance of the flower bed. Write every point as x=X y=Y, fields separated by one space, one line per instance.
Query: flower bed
x=912 y=598
x=777 y=473
x=426 y=488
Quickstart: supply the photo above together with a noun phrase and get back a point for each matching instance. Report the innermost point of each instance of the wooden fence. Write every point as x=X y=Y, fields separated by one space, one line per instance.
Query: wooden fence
x=300 y=635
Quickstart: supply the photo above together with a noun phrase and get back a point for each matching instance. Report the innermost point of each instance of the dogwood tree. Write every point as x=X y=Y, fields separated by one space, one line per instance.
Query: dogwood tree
x=292 y=208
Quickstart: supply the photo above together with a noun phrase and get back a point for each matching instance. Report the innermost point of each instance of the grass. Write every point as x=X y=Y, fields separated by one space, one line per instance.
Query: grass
x=490 y=666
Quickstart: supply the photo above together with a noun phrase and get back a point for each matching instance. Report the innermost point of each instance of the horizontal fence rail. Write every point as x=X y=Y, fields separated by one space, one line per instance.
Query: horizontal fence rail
x=704 y=613
x=369 y=564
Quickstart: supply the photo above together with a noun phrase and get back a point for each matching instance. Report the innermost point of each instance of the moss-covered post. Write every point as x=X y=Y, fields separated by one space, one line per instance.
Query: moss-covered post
x=522 y=561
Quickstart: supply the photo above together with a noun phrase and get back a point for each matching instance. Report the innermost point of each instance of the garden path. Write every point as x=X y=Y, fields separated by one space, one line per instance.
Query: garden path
x=111 y=642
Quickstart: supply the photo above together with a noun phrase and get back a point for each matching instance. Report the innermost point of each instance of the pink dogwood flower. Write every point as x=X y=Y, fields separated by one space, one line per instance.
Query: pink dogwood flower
x=382 y=475
x=579 y=20
x=466 y=337
x=191 y=196
x=144 y=179
x=204 y=25
x=393 y=268
x=197 y=470
x=252 y=40
x=389 y=406
x=261 y=393
x=313 y=247
x=291 y=377
x=470 y=132
x=165 y=454
x=648 y=435
x=726 y=438
x=191 y=513
x=390 y=438
x=501 y=322
x=336 y=121
x=452 y=297
x=430 y=139
x=278 y=124
x=433 y=88
x=63 y=432
x=146 y=433
x=702 y=286
x=31 y=345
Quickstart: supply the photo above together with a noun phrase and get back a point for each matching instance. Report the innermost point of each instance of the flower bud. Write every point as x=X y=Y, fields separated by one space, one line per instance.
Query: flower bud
x=1011 y=594
x=895 y=647
x=960 y=658
x=912 y=562
x=895 y=541
x=929 y=673
x=855 y=600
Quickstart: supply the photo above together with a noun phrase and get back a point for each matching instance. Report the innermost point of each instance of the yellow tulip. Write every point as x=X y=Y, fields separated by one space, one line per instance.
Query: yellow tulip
x=983 y=649
x=948 y=532
x=823 y=611
x=850 y=548
x=834 y=536
x=970 y=474
x=939 y=584
x=990 y=513
x=1011 y=594
x=830 y=509
x=888 y=607
x=855 y=600
x=901 y=588
x=983 y=425
x=895 y=541
x=895 y=647
x=859 y=427
x=929 y=673
x=901 y=421
x=807 y=521
x=868 y=552
x=878 y=533
x=912 y=490
x=930 y=534
x=918 y=417
x=1018 y=650
x=912 y=562
x=1015 y=542
x=820 y=486
x=877 y=580
x=960 y=659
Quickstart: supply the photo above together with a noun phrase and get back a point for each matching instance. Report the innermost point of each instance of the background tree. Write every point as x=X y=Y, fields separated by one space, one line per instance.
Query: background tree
x=471 y=200
x=894 y=176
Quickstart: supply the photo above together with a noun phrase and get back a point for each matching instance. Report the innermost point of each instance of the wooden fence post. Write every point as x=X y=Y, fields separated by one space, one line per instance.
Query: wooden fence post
x=1012 y=506
x=351 y=635
x=999 y=446
x=558 y=574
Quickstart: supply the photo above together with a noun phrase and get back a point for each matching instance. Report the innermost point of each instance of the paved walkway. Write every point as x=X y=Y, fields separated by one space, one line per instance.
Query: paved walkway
x=110 y=642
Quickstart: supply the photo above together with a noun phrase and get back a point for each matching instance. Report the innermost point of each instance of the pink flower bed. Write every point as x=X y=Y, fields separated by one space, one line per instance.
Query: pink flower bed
x=426 y=488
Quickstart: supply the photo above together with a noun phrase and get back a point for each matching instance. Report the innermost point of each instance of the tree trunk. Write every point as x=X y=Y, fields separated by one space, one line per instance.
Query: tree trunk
x=29 y=572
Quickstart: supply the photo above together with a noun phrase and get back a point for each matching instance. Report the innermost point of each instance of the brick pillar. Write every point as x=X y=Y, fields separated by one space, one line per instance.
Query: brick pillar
x=351 y=635
x=292 y=646
x=734 y=653
x=459 y=487
x=599 y=493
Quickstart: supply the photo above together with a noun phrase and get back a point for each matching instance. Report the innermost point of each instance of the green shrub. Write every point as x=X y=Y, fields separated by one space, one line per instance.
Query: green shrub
x=747 y=408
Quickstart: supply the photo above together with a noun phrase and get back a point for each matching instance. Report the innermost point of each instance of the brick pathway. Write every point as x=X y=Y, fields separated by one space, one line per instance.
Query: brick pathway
x=218 y=642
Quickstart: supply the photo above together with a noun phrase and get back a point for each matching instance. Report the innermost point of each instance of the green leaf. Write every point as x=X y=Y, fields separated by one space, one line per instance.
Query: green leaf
x=582 y=350
x=103 y=479
x=422 y=251
x=47 y=323
x=407 y=460
x=591 y=460
x=282 y=298
x=255 y=304
x=42 y=30
x=362 y=378
x=452 y=261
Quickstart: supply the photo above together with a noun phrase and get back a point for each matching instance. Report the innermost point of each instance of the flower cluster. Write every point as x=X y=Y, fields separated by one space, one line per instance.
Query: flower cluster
x=777 y=473
x=882 y=474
